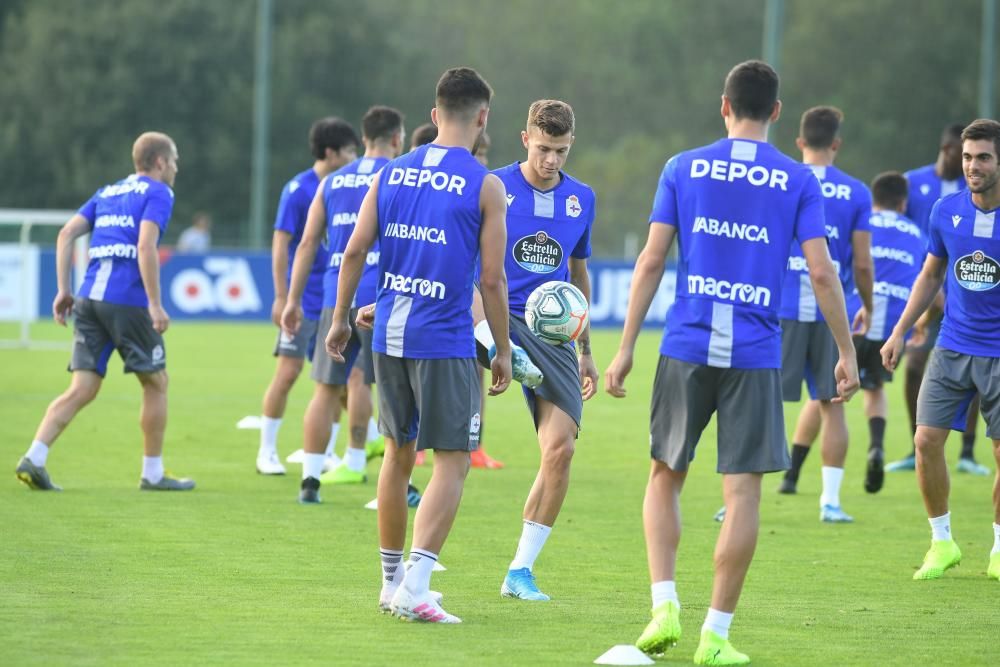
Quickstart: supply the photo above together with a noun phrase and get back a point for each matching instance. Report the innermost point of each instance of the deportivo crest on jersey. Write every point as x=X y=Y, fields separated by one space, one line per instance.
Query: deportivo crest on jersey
x=573 y=208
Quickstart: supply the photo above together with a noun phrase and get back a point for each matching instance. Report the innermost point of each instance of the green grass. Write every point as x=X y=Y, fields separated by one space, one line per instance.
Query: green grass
x=238 y=573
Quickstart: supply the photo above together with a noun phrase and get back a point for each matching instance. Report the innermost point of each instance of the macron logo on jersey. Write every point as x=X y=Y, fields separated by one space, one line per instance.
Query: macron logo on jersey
x=900 y=292
x=337 y=258
x=732 y=230
x=408 y=285
x=416 y=233
x=723 y=170
x=727 y=291
x=418 y=178
x=117 y=250
x=955 y=220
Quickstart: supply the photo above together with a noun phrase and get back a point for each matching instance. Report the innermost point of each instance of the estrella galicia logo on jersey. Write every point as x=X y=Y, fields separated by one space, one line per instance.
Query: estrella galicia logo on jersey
x=538 y=253
x=573 y=208
x=977 y=272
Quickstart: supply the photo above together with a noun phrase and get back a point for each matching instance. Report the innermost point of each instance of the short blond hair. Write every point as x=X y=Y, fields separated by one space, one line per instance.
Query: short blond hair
x=552 y=117
x=148 y=147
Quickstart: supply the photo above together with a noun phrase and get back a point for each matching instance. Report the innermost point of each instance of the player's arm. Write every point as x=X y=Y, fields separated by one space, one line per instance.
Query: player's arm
x=645 y=282
x=580 y=277
x=280 y=241
x=923 y=294
x=864 y=278
x=305 y=255
x=493 y=279
x=149 y=269
x=353 y=263
x=74 y=228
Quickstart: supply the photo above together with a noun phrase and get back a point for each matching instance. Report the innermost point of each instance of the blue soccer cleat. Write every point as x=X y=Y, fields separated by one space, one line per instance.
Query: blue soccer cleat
x=521 y=584
x=834 y=514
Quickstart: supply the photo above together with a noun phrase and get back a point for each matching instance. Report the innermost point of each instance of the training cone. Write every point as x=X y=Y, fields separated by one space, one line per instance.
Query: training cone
x=250 y=422
x=624 y=654
x=372 y=504
x=438 y=567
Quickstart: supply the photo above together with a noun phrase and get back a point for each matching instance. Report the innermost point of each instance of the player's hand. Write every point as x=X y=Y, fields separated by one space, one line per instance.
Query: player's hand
x=500 y=367
x=862 y=321
x=62 y=307
x=892 y=351
x=614 y=377
x=291 y=319
x=846 y=373
x=366 y=317
x=588 y=376
x=160 y=318
x=277 y=308
x=337 y=339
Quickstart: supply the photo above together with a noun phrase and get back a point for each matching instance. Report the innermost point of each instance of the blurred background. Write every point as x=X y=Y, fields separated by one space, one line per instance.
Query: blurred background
x=238 y=82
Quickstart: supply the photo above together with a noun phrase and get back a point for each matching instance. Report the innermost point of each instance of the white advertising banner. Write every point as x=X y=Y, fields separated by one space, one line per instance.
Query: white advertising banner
x=18 y=282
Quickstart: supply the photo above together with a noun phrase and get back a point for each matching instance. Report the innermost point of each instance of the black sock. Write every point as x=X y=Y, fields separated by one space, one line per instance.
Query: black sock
x=968 y=444
x=799 y=454
x=876 y=431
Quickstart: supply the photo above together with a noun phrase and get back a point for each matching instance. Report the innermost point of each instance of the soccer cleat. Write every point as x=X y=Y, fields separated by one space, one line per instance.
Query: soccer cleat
x=993 y=571
x=375 y=448
x=385 y=598
x=520 y=584
x=714 y=650
x=412 y=496
x=522 y=368
x=344 y=475
x=309 y=492
x=943 y=555
x=663 y=631
x=34 y=477
x=167 y=483
x=972 y=467
x=875 y=472
x=907 y=463
x=480 y=459
x=720 y=516
x=834 y=514
x=423 y=608
x=788 y=486
x=268 y=464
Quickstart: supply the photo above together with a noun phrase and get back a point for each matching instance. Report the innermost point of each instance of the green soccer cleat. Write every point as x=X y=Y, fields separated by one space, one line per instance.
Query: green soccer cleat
x=663 y=631
x=343 y=475
x=375 y=448
x=943 y=555
x=714 y=650
x=993 y=571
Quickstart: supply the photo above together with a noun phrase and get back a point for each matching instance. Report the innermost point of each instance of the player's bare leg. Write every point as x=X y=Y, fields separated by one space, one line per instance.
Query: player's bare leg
x=286 y=372
x=737 y=540
x=393 y=480
x=322 y=411
x=359 y=411
x=935 y=486
x=834 y=451
x=993 y=570
x=153 y=419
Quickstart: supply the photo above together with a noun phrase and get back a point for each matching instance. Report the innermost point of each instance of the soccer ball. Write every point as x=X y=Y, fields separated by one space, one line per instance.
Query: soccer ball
x=556 y=312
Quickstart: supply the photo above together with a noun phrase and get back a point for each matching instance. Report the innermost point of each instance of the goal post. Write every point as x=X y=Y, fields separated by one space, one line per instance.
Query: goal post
x=21 y=267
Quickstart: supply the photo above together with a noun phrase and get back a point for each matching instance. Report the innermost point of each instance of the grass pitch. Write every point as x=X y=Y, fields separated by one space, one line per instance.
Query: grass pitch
x=237 y=572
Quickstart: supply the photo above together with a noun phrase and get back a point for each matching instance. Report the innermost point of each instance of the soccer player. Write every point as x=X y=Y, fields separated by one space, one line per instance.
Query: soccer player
x=482 y=150
x=928 y=184
x=333 y=143
x=808 y=350
x=735 y=207
x=423 y=134
x=549 y=218
x=332 y=217
x=436 y=212
x=898 y=245
x=964 y=256
x=118 y=307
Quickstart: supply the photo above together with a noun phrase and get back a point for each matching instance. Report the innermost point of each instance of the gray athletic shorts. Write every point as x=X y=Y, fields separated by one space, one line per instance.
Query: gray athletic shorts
x=302 y=345
x=751 y=420
x=871 y=372
x=101 y=328
x=358 y=353
x=558 y=364
x=951 y=382
x=432 y=401
x=808 y=352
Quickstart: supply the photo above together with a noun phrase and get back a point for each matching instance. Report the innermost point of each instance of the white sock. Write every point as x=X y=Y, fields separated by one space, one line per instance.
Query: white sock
x=269 y=434
x=533 y=536
x=331 y=444
x=38 y=453
x=152 y=468
x=312 y=465
x=484 y=335
x=418 y=571
x=832 y=477
x=996 y=539
x=355 y=459
x=718 y=622
x=392 y=567
x=373 y=433
x=664 y=591
x=941 y=527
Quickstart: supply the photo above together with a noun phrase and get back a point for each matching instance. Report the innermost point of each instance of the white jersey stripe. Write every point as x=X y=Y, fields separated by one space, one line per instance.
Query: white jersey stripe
x=101 y=280
x=807 y=299
x=720 y=343
x=433 y=156
x=395 y=327
x=545 y=204
x=880 y=309
x=984 y=224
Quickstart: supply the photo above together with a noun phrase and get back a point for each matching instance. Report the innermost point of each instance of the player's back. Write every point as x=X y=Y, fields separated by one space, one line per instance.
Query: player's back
x=115 y=213
x=925 y=188
x=429 y=222
x=343 y=192
x=737 y=205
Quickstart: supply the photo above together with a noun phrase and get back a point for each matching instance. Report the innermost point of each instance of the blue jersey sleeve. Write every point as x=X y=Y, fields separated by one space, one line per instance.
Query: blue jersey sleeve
x=289 y=209
x=159 y=206
x=665 y=202
x=935 y=244
x=89 y=209
x=582 y=249
x=810 y=221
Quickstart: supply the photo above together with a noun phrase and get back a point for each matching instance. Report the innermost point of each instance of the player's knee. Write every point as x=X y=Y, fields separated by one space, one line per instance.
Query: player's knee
x=927 y=444
x=558 y=454
x=81 y=394
x=154 y=382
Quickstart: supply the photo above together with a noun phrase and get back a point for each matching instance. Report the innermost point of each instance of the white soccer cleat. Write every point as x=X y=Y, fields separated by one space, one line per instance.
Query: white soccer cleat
x=385 y=598
x=268 y=464
x=422 y=608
